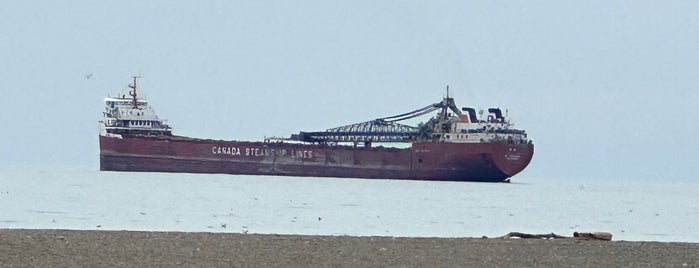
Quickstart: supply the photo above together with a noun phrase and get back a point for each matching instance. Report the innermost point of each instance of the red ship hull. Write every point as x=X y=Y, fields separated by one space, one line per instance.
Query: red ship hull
x=487 y=162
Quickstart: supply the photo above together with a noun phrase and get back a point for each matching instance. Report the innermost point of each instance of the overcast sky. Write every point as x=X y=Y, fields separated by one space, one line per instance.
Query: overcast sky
x=606 y=89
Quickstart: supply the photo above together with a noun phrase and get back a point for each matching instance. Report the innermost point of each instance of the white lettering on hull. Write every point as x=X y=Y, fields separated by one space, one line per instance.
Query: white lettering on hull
x=225 y=150
x=512 y=157
x=261 y=152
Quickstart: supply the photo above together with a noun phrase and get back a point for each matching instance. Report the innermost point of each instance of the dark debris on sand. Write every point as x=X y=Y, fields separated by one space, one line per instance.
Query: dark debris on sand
x=64 y=248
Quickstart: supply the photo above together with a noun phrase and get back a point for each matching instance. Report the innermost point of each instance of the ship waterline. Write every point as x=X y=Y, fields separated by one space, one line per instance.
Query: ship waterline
x=423 y=161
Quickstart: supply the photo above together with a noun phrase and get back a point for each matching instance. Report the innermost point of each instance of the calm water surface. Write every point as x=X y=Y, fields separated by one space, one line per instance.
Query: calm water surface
x=87 y=199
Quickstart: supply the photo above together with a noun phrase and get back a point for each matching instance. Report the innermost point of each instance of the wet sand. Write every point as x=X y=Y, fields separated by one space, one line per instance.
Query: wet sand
x=64 y=248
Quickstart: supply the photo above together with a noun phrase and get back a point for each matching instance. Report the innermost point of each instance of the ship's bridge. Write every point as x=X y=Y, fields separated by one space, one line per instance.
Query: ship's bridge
x=131 y=115
x=123 y=102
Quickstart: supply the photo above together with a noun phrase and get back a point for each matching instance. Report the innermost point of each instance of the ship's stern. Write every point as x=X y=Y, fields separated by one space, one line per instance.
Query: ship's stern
x=511 y=159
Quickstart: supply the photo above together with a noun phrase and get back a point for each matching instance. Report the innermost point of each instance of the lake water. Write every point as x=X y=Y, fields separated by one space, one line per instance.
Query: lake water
x=87 y=199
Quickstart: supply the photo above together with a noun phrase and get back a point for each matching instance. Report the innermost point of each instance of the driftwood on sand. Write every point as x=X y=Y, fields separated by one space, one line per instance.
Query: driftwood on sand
x=580 y=236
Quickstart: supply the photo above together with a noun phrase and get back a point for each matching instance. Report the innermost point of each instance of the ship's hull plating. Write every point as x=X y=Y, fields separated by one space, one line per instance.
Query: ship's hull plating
x=488 y=162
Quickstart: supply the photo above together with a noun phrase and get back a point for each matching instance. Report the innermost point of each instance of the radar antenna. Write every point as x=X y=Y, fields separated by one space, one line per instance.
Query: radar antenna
x=134 y=93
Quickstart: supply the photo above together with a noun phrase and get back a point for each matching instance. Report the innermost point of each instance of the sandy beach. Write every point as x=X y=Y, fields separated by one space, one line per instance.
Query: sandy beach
x=66 y=248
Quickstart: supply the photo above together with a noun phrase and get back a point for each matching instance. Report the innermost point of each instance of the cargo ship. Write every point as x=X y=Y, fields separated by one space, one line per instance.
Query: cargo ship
x=452 y=145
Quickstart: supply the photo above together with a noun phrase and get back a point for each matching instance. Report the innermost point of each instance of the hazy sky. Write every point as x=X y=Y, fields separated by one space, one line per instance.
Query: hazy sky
x=606 y=89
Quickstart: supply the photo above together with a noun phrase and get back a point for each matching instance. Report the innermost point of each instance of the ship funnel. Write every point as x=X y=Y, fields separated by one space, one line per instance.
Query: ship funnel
x=471 y=114
x=496 y=113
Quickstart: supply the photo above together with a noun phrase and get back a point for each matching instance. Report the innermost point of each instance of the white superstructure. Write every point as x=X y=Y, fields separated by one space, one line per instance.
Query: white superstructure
x=131 y=115
x=467 y=128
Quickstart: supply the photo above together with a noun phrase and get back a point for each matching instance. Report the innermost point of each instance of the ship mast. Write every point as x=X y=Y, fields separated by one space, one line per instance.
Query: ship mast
x=445 y=107
x=134 y=93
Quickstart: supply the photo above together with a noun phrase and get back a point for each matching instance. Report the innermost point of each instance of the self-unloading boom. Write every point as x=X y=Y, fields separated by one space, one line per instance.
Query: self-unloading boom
x=386 y=129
